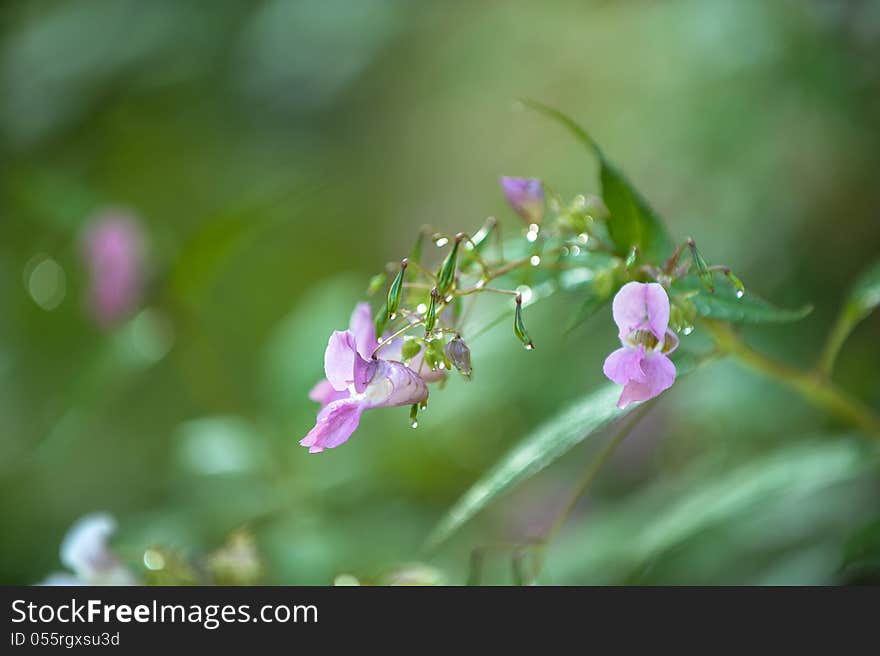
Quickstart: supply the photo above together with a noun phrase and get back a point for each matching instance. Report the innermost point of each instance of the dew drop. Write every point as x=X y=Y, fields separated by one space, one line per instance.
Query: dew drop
x=583 y=238
x=480 y=284
x=421 y=308
x=531 y=236
x=525 y=293
x=687 y=330
x=535 y=260
x=441 y=242
x=529 y=347
x=414 y=423
x=739 y=293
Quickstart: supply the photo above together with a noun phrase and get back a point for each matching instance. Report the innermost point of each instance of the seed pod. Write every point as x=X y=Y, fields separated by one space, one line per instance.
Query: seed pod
x=519 y=328
x=481 y=238
x=431 y=314
x=446 y=276
x=459 y=355
x=396 y=290
x=702 y=267
x=736 y=282
x=413 y=415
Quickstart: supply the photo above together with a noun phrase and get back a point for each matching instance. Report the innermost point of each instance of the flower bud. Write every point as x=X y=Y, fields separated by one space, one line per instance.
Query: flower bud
x=396 y=291
x=526 y=197
x=519 y=328
x=459 y=355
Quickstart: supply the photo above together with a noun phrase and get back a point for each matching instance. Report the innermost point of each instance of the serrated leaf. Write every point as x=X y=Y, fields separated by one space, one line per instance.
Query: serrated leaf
x=632 y=223
x=542 y=446
x=724 y=304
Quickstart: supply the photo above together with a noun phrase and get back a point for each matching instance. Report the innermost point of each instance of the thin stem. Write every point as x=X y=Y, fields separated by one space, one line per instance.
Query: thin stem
x=814 y=387
x=385 y=342
x=593 y=470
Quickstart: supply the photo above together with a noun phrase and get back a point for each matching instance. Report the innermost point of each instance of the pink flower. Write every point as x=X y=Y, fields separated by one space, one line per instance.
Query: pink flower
x=113 y=250
x=641 y=312
x=358 y=381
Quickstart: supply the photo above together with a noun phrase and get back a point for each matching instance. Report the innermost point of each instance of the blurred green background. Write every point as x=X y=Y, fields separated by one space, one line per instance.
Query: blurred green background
x=279 y=153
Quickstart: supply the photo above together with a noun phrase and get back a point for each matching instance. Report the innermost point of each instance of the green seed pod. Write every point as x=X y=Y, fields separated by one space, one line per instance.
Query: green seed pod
x=395 y=292
x=519 y=328
x=480 y=240
x=736 y=282
x=431 y=314
x=702 y=267
x=414 y=415
x=446 y=276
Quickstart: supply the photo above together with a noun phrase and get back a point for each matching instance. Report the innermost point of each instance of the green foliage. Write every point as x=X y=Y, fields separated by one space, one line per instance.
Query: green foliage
x=724 y=304
x=542 y=446
x=633 y=224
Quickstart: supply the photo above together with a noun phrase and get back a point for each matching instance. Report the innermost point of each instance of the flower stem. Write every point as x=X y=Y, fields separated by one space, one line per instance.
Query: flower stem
x=813 y=386
x=586 y=480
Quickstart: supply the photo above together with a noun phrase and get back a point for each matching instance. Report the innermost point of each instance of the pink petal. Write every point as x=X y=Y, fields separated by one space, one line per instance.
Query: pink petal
x=660 y=374
x=324 y=393
x=641 y=306
x=364 y=330
x=625 y=365
x=339 y=359
x=395 y=384
x=334 y=425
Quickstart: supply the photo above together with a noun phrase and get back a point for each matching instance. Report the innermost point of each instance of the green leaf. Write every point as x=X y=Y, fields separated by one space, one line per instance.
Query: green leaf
x=724 y=304
x=673 y=514
x=550 y=440
x=632 y=223
x=542 y=446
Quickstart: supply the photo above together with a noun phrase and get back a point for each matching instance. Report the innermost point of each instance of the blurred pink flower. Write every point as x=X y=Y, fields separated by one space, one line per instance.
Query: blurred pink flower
x=114 y=253
x=641 y=312
x=526 y=197
x=358 y=381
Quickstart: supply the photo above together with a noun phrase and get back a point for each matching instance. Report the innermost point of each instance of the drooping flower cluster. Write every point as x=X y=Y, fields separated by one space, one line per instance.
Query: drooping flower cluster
x=560 y=247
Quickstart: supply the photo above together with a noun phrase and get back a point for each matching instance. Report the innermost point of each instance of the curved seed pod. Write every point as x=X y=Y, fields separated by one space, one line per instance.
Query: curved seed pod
x=395 y=292
x=446 y=276
x=519 y=328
